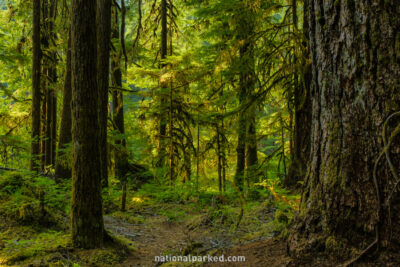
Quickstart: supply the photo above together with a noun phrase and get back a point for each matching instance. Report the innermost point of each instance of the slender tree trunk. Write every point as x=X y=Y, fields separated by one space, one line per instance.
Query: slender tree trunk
x=49 y=119
x=355 y=53
x=223 y=143
x=43 y=112
x=251 y=157
x=86 y=209
x=219 y=159
x=163 y=97
x=246 y=85
x=35 y=147
x=118 y=115
x=283 y=158
x=53 y=78
x=103 y=17
x=171 y=136
x=63 y=170
x=188 y=164
x=46 y=113
x=50 y=72
x=198 y=150
x=302 y=115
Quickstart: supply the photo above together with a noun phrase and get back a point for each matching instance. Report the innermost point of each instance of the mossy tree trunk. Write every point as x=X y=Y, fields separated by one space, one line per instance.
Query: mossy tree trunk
x=121 y=157
x=86 y=208
x=300 y=151
x=355 y=53
x=63 y=170
x=246 y=86
x=103 y=42
x=162 y=150
x=35 y=146
x=251 y=144
x=53 y=77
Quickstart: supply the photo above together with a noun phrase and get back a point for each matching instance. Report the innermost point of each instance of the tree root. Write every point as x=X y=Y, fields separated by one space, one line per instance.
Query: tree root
x=386 y=152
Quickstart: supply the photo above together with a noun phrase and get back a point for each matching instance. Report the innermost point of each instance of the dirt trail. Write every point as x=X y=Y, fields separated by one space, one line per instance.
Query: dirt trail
x=156 y=237
x=159 y=236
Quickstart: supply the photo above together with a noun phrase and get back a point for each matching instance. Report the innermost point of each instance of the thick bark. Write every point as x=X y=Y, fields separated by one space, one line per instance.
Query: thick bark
x=103 y=18
x=355 y=55
x=63 y=170
x=35 y=147
x=86 y=208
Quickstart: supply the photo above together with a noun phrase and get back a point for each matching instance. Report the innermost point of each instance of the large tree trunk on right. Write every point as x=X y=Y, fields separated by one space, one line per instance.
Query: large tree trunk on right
x=86 y=208
x=35 y=146
x=355 y=53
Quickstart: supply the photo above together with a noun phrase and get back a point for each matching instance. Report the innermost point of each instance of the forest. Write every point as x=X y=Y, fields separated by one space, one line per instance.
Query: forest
x=199 y=133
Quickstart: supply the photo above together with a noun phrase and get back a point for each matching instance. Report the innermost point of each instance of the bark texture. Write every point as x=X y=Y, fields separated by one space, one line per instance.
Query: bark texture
x=163 y=96
x=246 y=86
x=87 y=214
x=251 y=144
x=35 y=146
x=121 y=160
x=103 y=42
x=300 y=151
x=355 y=55
x=63 y=170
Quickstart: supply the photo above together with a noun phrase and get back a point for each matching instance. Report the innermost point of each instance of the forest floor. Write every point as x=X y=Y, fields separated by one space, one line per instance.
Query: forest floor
x=159 y=235
x=158 y=221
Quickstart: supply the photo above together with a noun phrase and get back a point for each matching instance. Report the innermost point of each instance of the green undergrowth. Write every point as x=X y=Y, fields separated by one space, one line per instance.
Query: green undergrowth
x=267 y=211
x=34 y=226
x=34 y=220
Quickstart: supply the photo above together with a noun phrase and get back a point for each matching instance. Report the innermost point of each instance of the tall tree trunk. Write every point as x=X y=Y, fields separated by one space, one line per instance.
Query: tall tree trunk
x=86 y=209
x=43 y=106
x=246 y=85
x=163 y=96
x=219 y=158
x=355 y=53
x=46 y=151
x=103 y=18
x=302 y=115
x=251 y=144
x=53 y=78
x=35 y=146
x=63 y=169
x=50 y=72
x=118 y=115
